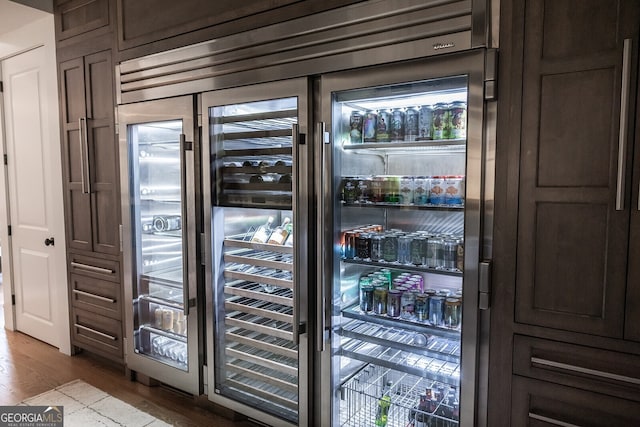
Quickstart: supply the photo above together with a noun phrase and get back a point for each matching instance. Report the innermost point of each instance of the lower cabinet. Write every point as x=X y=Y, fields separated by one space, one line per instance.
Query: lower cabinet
x=540 y=403
x=95 y=292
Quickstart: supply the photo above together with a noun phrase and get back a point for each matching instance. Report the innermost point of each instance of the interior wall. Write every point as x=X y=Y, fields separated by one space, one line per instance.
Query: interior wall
x=32 y=35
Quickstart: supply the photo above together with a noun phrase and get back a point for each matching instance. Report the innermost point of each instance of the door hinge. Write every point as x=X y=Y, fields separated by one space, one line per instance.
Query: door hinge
x=203 y=252
x=491 y=75
x=115 y=120
x=9 y=230
x=6 y=159
x=1 y=86
x=484 y=287
x=120 y=234
x=13 y=299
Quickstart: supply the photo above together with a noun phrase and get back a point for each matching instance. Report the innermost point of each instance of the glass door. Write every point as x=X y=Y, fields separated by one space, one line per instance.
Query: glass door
x=258 y=222
x=400 y=156
x=160 y=231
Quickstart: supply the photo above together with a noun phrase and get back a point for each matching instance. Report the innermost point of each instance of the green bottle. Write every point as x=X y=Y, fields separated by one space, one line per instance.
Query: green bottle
x=383 y=406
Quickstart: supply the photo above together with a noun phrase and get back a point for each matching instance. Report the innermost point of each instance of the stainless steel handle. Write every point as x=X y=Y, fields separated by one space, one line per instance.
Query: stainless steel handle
x=295 y=141
x=321 y=247
x=92 y=268
x=185 y=246
x=98 y=297
x=83 y=155
x=551 y=420
x=102 y=334
x=582 y=370
x=624 y=112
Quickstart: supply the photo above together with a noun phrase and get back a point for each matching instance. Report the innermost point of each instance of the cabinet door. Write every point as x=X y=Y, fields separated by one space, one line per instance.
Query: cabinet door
x=77 y=201
x=102 y=153
x=572 y=224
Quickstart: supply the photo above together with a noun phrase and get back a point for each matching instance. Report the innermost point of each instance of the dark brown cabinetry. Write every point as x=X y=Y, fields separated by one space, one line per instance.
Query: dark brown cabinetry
x=86 y=77
x=567 y=191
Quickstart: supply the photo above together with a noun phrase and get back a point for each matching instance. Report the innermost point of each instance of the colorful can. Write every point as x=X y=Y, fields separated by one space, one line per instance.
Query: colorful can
x=390 y=248
x=369 y=126
x=408 y=305
x=404 y=249
x=436 y=190
x=349 y=251
x=425 y=123
x=397 y=125
x=383 y=126
x=394 y=298
x=366 y=298
x=433 y=246
x=452 y=312
x=418 y=250
x=363 y=246
x=440 y=121
x=376 y=247
x=349 y=189
x=363 y=189
x=392 y=189
x=355 y=128
x=436 y=315
x=453 y=190
x=450 y=254
x=458 y=120
x=406 y=190
x=422 y=307
x=378 y=189
x=411 y=124
x=380 y=299
x=421 y=188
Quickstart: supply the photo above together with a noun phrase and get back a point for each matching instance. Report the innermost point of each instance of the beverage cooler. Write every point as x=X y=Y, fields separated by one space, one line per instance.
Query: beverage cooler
x=400 y=158
x=159 y=251
x=256 y=278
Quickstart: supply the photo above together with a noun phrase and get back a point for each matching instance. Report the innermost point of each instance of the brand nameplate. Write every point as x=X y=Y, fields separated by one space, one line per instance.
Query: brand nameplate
x=438 y=46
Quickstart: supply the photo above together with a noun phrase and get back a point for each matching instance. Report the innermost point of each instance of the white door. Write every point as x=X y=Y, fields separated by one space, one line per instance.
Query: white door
x=31 y=183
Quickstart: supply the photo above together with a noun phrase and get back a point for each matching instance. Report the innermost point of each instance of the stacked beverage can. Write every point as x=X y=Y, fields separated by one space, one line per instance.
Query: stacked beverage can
x=369 y=126
x=406 y=190
x=458 y=120
x=425 y=123
x=436 y=314
x=408 y=305
x=392 y=189
x=355 y=128
x=404 y=249
x=397 y=125
x=383 y=126
x=440 y=121
x=411 y=124
x=436 y=190
x=394 y=300
x=452 y=190
x=421 y=188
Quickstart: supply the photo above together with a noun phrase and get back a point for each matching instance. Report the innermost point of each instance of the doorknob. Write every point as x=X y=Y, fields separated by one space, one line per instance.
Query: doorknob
x=49 y=242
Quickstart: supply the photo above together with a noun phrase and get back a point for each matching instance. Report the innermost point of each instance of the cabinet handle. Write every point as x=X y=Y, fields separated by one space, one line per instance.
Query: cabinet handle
x=551 y=420
x=84 y=152
x=91 y=268
x=624 y=112
x=297 y=328
x=582 y=370
x=102 y=334
x=98 y=297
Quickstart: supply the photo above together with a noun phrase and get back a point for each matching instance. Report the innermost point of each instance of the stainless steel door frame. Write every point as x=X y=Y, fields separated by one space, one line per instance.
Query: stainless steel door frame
x=181 y=108
x=471 y=64
x=302 y=197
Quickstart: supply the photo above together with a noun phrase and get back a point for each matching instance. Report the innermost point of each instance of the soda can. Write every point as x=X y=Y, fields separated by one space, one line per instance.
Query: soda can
x=350 y=244
x=440 y=121
x=418 y=250
x=436 y=315
x=397 y=125
x=408 y=302
x=363 y=190
x=460 y=254
x=406 y=190
x=433 y=246
x=363 y=246
x=392 y=189
x=355 y=128
x=425 y=123
x=366 y=298
x=378 y=189
x=450 y=254
x=394 y=298
x=436 y=190
x=390 y=248
x=422 y=307
x=458 y=120
x=421 y=188
x=383 y=126
x=349 y=189
x=377 y=241
x=453 y=190
x=404 y=249
x=452 y=312
x=369 y=126
x=411 y=124
x=380 y=299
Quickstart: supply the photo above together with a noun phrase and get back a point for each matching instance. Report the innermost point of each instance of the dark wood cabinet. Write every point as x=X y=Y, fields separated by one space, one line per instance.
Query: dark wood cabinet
x=565 y=334
x=90 y=153
x=86 y=18
x=573 y=221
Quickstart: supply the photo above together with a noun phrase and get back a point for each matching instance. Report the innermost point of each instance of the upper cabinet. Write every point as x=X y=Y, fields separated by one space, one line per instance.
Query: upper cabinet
x=576 y=192
x=178 y=23
x=82 y=17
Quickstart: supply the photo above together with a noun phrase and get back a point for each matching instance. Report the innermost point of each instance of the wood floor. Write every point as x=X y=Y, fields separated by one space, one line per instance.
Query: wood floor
x=29 y=367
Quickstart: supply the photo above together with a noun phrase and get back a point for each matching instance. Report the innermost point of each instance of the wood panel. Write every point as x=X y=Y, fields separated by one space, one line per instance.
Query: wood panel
x=571 y=267
x=79 y=17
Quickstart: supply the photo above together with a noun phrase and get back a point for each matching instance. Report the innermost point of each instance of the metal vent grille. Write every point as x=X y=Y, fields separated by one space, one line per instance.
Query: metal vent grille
x=354 y=36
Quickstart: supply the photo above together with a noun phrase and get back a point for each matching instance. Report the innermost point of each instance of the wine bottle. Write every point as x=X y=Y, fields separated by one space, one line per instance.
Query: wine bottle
x=280 y=233
x=263 y=232
x=383 y=406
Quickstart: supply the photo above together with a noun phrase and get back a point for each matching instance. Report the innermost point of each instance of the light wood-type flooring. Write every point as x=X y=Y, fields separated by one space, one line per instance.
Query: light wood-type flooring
x=29 y=367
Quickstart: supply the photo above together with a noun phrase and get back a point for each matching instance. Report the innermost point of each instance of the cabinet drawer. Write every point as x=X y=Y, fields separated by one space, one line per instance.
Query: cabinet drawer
x=96 y=333
x=538 y=403
x=98 y=268
x=97 y=296
x=612 y=373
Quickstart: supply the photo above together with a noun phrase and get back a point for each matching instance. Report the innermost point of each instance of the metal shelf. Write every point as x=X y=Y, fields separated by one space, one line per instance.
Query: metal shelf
x=403 y=267
x=259 y=258
x=427 y=207
x=432 y=145
x=238 y=241
x=282 y=296
x=354 y=312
